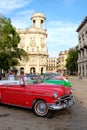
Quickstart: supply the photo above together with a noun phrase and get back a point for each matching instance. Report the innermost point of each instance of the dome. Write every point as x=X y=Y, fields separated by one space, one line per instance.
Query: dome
x=39 y=15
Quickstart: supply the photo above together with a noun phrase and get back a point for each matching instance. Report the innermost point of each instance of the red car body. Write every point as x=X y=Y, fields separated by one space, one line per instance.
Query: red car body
x=40 y=97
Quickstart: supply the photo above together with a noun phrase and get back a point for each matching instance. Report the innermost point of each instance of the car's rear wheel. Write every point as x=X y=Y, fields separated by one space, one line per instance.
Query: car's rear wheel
x=40 y=108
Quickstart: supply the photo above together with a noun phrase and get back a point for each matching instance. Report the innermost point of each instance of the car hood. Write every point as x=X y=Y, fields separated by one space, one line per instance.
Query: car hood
x=45 y=88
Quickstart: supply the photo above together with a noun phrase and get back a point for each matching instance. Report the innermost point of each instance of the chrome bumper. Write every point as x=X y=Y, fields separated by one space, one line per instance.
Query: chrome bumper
x=65 y=104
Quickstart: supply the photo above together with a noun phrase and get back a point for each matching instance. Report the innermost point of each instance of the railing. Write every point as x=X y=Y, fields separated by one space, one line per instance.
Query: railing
x=82 y=59
x=37 y=53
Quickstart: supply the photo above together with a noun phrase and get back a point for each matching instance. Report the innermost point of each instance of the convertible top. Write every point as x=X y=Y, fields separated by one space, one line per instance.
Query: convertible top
x=9 y=82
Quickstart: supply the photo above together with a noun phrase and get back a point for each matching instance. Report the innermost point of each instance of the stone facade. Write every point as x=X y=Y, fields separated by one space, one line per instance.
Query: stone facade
x=61 y=62
x=51 y=65
x=33 y=40
x=82 y=48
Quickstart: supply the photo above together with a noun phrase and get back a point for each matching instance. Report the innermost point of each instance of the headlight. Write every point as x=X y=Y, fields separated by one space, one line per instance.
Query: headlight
x=72 y=90
x=55 y=95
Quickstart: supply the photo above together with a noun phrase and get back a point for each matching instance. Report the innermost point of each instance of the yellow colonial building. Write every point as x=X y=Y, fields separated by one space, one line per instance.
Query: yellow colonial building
x=51 y=64
x=61 y=62
x=33 y=41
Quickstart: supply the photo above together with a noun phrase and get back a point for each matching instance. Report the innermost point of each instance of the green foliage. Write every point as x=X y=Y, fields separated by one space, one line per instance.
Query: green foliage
x=9 y=40
x=8 y=37
x=71 y=61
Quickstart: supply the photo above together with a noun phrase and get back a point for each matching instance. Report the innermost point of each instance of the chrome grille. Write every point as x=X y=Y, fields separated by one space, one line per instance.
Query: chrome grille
x=63 y=98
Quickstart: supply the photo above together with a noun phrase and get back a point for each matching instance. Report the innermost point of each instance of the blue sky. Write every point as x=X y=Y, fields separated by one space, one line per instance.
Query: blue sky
x=62 y=19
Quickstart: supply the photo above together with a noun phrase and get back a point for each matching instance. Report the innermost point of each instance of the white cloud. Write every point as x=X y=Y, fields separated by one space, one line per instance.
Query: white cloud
x=8 y=5
x=22 y=19
x=61 y=36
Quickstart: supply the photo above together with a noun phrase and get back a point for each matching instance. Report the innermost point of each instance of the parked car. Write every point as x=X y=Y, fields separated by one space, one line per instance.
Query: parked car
x=40 y=97
x=50 y=75
x=33 y=76
x=60 y=77
x=62 y=82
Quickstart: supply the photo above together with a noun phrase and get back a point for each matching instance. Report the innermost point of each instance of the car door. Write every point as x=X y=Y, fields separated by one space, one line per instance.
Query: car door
x=13 y=94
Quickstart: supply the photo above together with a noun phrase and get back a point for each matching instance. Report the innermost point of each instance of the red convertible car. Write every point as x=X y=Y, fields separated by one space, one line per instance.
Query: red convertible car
x=40 y=97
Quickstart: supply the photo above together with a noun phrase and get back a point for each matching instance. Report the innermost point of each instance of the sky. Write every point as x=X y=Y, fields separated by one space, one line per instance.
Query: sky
x=62 y=19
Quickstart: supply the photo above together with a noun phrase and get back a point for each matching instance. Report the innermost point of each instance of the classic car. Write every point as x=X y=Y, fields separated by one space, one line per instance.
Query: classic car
x=40 y=97
x=62 y=82
x=50 y=75
x=33 y=76
x=60 y=77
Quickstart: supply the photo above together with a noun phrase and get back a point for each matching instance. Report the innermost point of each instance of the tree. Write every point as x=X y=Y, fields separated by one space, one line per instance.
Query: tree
x=10 y=54
x=71 y=61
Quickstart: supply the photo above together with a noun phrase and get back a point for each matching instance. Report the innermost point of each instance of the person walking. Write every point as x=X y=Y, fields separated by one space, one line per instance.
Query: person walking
x=0 y=76
x=80 y=76
x=22 y=82
x=11 y=75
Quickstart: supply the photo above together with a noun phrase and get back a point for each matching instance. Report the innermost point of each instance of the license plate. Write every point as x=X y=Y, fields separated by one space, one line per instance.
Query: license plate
x=70 y=102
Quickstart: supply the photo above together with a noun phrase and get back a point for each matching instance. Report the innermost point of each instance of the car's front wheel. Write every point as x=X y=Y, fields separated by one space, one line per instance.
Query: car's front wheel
x=40 y=108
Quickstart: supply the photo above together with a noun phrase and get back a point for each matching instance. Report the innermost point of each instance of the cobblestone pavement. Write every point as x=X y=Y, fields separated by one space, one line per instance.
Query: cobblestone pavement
x=75 y=118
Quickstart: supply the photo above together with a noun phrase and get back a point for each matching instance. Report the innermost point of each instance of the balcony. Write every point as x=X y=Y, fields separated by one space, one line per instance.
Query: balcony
x=37 y=53
x=84 y=59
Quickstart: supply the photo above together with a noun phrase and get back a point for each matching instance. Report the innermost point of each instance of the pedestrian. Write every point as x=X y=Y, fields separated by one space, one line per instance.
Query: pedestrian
x=0 y=76
x=11 y=75
x=80 y=76
x=22 y=82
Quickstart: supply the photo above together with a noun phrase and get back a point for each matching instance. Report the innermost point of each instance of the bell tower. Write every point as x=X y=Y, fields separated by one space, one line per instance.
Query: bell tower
x=38 y=20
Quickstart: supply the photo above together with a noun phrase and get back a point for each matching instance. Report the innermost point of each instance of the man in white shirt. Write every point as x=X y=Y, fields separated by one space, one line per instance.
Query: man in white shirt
x=11 y=76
